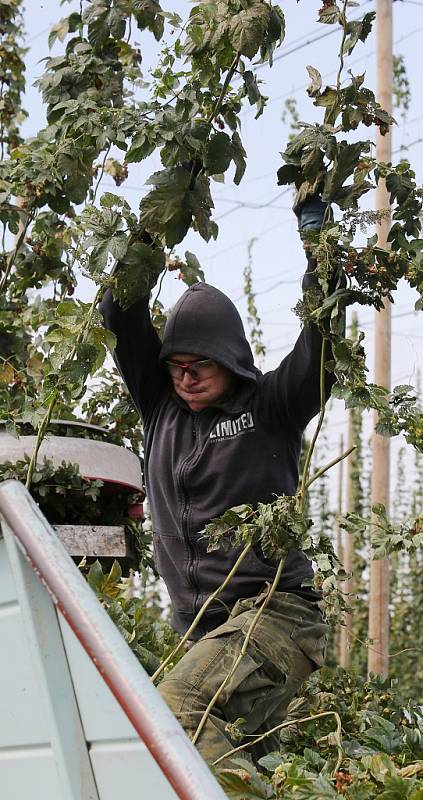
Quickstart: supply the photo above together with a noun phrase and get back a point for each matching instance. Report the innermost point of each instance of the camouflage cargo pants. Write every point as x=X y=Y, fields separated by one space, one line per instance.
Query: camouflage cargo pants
x=288 y=643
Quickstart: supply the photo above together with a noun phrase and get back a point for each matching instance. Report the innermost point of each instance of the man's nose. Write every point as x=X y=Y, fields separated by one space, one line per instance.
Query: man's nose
x=187 y=379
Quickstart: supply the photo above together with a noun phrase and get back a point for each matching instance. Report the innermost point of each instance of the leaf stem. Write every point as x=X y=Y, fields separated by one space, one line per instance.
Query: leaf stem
x=303 y=487
x=47 y=417
x=101 y=172
x=40 y=436
x=242 y=653
x=367 y=644
x=287 y=724
x=159 y=289
x=217 y=106
x=341 y=50
x=201 y=612
x=328 y=466
x=16 y=249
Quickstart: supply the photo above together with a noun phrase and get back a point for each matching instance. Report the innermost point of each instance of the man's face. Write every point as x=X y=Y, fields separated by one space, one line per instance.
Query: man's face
x=201 y=391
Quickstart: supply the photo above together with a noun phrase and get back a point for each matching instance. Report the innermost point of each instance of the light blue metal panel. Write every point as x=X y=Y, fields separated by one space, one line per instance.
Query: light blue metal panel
x=22 y=714
x=174 y=754
x=128 y=766
x=51 y=670
x=118 y=756
x=29 y=774
x=101 y=715
x=7 y=584
x=27 y=760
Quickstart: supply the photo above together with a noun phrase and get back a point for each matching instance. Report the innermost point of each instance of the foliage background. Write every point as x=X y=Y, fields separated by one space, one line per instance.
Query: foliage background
x=275 y=278
x=278 y=259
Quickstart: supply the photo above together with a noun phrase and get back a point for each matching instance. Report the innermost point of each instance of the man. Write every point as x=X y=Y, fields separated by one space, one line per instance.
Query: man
x=219 y=433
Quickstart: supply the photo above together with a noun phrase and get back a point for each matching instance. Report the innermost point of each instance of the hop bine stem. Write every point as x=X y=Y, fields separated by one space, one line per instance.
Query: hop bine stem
x=304 y=481
x=242 y=653
x=201 y=613
x=328 y=466
x=55 y=394
x=18 y=245
x=220 y=99
x=337 y=737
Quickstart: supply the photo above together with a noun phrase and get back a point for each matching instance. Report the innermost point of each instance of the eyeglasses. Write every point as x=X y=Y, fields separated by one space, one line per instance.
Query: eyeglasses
x=196 y=369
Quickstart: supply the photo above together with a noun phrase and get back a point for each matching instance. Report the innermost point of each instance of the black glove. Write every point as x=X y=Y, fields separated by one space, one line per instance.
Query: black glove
x=310 y=214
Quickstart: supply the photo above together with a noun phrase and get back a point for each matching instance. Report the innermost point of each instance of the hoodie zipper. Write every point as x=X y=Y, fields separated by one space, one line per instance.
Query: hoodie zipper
x=185 y=512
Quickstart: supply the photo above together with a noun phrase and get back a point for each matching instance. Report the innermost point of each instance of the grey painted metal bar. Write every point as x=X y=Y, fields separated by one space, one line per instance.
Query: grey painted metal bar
x=164 y=737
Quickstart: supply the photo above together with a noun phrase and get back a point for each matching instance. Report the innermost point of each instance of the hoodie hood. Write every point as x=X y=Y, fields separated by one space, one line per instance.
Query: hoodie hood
x=206 y=323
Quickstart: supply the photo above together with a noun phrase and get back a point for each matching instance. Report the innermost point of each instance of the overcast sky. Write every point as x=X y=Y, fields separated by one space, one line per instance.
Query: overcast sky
x=258 y=208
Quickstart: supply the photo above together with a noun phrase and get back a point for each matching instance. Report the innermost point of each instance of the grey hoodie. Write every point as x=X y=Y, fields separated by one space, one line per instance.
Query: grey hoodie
x=198 y=464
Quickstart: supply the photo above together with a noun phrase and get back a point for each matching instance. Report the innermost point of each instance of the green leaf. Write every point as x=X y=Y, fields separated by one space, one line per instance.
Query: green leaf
x=383 y=735
x=141 y=147
x=251 y=86
x=148 y=14
x=386 y=427
x=109 y=339
x=218 y=154
x=244 y=783
x=247 y=28
x=67 y=308
x=316 y=81
x=110 y=200
x=271 y=761
x=89 y=358
x=398 y=788
x=165 y=210
x=58 y=31
x=358 y=30
x=379 y=765
x=114 y=575
x=149 y=661
x=344 y=163
x=399 y=186
x=274 y=34
x=7 y=373
x=192 y=272
x=137 y=273
x=287 y=174
x=200 y=204
x=329 y=14
x=96 y=577
x=98 y=30
x=239 y=157
x=328 y=99
x=118 y=246
x=98 y=258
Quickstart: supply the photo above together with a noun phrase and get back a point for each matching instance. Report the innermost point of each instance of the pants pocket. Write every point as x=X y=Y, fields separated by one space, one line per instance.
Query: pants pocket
x=312 y=640
x=211 y=659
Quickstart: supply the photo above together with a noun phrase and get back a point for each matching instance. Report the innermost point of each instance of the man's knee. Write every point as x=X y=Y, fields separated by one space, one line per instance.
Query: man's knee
x=174 y=692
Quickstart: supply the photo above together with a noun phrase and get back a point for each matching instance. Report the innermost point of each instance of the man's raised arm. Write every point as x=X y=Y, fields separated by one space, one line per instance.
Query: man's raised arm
x=293 y=388
x=137 y=351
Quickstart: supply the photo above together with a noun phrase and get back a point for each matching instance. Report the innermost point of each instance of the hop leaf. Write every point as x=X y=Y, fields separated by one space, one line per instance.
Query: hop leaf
x=247 y=28
x=137 y=273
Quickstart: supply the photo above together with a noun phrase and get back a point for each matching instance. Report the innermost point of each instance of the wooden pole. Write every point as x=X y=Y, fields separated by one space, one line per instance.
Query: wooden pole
x=339 y=547
x=349 y=543
x=379 y=570
x=345 y=655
